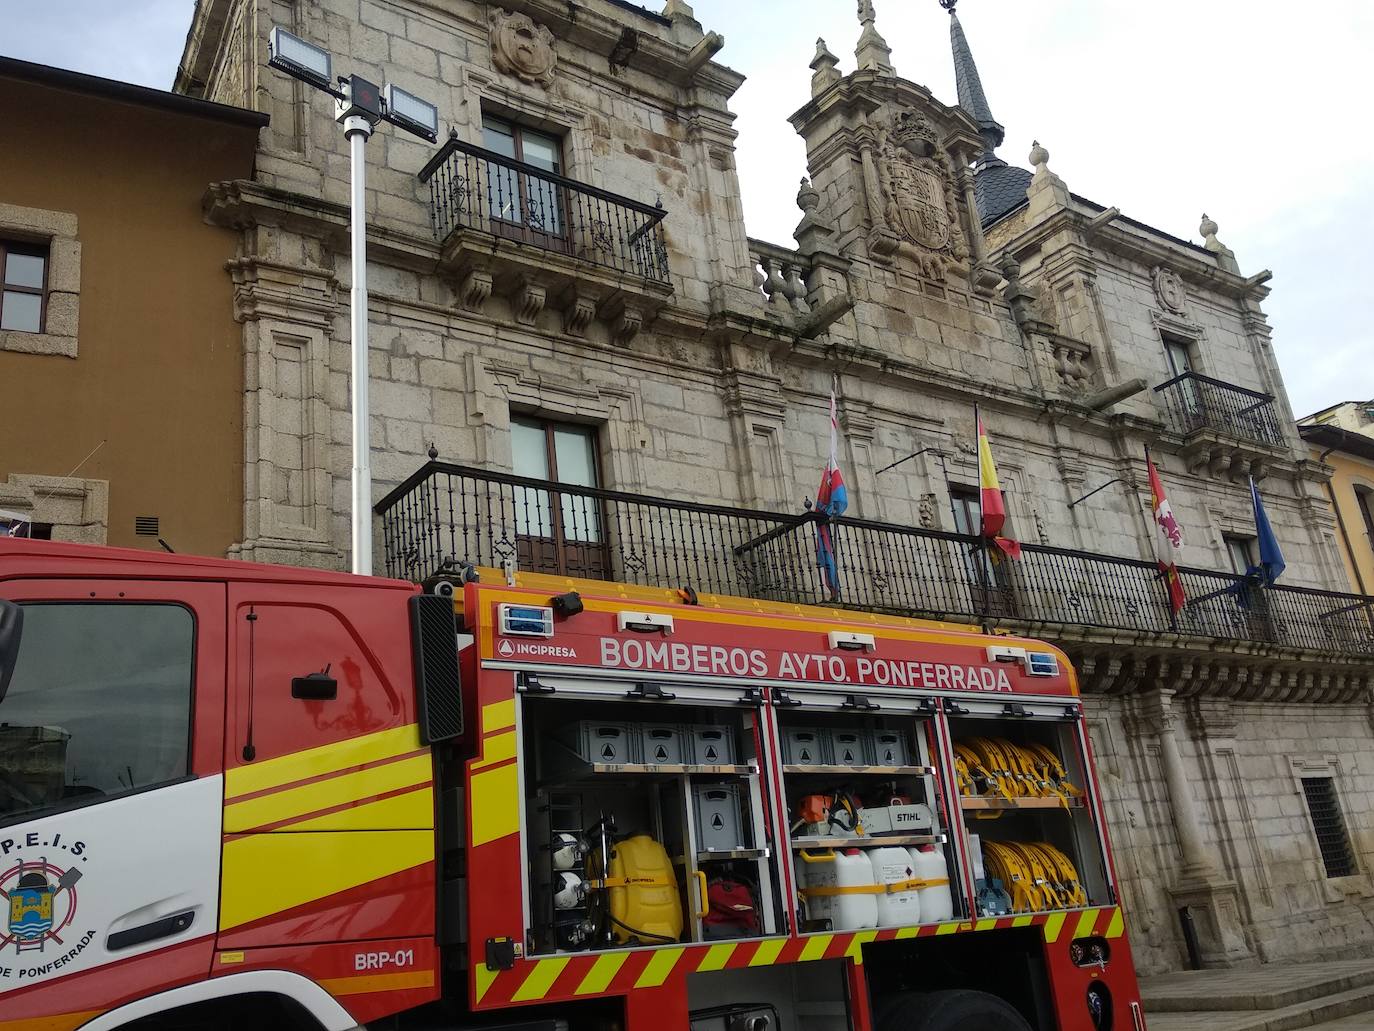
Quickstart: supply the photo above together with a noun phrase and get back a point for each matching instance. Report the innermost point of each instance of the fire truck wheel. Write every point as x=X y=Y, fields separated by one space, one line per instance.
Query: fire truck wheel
x=947 y=1011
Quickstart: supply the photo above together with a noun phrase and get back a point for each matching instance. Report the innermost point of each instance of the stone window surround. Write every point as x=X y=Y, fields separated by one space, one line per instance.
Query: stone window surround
x=77 y=509
x=1334 y=889
x=486 y=94
x=1190 y=333
x=57 y=229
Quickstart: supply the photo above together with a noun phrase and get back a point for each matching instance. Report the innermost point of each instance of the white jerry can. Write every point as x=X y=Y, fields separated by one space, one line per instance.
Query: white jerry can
x=892 y=865
x=849 y=868
x=937 y=903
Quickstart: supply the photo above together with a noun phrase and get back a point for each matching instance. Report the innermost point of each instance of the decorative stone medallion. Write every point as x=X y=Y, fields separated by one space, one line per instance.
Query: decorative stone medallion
x=521 y=48
x=1169 y=289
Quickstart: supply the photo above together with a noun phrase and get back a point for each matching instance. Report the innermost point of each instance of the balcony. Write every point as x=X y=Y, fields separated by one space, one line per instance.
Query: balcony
x=445 y=516
x=510 y=226
x=1196 y=404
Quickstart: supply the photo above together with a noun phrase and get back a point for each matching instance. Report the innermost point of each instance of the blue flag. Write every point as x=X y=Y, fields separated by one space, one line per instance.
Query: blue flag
x=1271 y=564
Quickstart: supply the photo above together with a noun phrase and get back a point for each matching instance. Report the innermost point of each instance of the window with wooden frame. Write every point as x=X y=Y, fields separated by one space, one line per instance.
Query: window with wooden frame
x=558 y=532
x=23 y=286
x=1240 y=549
x=524 y=205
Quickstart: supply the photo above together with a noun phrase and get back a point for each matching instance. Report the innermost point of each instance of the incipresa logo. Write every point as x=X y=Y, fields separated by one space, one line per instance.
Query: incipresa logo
x=508 y=649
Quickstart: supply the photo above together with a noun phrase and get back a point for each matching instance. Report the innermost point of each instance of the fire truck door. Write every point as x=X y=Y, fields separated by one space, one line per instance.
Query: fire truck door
x=110 y=792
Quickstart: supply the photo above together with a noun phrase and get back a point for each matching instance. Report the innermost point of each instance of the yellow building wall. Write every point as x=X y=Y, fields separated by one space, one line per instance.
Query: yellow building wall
x=159 y=371
x=1357 y=550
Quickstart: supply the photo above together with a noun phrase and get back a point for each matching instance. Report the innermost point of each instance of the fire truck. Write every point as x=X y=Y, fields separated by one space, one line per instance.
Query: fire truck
x=235 y=795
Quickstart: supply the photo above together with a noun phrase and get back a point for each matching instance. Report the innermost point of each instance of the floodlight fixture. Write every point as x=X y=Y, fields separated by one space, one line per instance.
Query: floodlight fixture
x=301 y=60
x=409 y=112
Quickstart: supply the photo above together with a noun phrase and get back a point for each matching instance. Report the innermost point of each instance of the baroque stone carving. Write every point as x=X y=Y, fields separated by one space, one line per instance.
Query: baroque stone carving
x=1169 y=289
x=521 y=48
x=577 y=314
x=528 y=303
x=475 y=289
x=918 y=203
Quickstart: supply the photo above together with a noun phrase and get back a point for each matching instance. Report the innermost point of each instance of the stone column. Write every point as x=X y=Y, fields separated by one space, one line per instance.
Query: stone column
x=1198 y=885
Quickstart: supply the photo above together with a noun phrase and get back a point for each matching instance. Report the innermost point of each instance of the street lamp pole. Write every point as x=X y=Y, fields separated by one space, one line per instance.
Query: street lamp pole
x=359 y=106
x=357 y=129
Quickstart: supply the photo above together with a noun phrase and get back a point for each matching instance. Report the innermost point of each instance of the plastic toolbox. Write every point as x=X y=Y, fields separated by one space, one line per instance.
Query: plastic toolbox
x=851 y=747
x=718 y=822
x=889 y=748
x=712 y=745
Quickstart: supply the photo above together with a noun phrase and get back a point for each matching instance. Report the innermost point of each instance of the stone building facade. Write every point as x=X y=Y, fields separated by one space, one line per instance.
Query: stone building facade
x=926 y=276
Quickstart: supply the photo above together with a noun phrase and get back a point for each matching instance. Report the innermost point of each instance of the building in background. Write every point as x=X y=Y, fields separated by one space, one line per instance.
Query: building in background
x=621 y=384
x=121 y=382
x=1342 y=437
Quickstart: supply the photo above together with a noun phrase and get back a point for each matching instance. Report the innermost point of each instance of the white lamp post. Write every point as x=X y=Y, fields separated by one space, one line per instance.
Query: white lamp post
x=358 y=106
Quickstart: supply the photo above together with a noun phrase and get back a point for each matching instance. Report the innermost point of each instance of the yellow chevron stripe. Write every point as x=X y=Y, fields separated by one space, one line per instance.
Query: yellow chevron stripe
x=986 y=924
x=767 y=953
x=495 y=804
x=1117 y=925
x=483 y=979
x=495 y=749
x=659 y=968
x=815 y=947
x=412 y=811
x=947 y=928
x=856 y=947
x=1053 y=923
x=906 y=932
x=272 y=873
x=1022 y=921
x=1085 y=923
x=716 y=957
x=498 y=715
x=315 y=762
x=325 y=794
x=539 y=980
x=601 y=974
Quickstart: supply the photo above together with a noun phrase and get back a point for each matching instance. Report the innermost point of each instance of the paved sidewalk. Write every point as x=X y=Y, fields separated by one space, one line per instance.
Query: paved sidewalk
x=1277 y=997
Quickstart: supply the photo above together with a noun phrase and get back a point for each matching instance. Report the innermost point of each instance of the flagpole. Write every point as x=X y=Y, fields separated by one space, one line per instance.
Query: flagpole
x=980 y=547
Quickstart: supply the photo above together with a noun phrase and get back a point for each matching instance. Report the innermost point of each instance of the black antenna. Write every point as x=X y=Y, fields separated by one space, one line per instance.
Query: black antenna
x=249 y=751
x=166 y=547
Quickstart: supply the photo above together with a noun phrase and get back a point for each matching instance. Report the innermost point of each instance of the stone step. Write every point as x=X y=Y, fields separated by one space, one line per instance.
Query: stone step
x=1286 y=1018
x=1266 y=988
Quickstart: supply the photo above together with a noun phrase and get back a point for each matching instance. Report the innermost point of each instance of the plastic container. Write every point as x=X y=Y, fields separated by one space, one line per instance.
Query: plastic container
x=660 y=743
x=712 y=746
x=892 y=865
x=889 y=748
x=850 y=748
x=928 y=864
x=649 y=909
x=805 y=746
x=717 y=812
x=601 y=742
x=848 y=868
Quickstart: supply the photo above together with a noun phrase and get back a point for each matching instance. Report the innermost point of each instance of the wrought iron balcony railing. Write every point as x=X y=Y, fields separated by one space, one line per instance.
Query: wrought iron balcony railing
x=451 y=515
x=1193 y=402
x=472 y=188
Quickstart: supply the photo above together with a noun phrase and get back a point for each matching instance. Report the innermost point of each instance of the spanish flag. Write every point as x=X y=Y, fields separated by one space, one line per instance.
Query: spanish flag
x=992 y=508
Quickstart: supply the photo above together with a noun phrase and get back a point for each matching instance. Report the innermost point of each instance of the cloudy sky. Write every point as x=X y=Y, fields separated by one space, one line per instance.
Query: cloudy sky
x=1255 y=111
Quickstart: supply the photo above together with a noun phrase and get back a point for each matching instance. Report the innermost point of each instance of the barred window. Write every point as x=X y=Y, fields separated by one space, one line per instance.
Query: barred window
x=1329 y=826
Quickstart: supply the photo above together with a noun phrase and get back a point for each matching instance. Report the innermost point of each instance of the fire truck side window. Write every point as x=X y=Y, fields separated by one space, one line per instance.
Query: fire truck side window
x=100 y=704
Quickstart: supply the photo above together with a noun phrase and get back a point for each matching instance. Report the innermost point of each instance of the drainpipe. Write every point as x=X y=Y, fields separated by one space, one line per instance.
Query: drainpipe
x=1340 y=524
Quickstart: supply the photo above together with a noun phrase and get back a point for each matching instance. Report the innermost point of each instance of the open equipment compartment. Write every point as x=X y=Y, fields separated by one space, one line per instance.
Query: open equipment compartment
x=868 y=822
x=645 y=818
x=1033 y=839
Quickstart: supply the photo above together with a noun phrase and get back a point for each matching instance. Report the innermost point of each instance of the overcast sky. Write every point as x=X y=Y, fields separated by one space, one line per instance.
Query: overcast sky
x=1255 y=111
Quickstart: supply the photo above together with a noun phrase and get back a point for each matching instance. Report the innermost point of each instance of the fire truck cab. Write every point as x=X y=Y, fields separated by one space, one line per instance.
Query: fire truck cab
x=233 y=793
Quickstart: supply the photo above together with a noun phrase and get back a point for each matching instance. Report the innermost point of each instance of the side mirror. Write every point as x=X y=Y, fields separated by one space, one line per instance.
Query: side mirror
x=11 y=630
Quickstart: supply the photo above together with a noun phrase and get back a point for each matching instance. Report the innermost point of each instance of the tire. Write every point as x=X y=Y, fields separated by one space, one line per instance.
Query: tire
x=947 y=1011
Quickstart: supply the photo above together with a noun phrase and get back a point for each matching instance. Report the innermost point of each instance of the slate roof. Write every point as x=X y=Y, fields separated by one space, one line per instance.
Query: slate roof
x=999 y=188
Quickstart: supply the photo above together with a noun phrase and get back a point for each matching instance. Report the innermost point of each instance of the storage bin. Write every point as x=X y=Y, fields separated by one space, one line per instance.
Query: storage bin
x=889 y=748
x=718 y=819
x=712 y=745
x=597 y=742
x=805 y=746
x=850 y=748
x=660 y=743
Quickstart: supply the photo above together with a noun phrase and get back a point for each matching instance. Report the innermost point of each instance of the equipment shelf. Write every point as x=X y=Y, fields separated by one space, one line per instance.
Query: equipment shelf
x=970 y=803
x=576 y=769
x=889 y=771
x=708 y=855
x=860 y=841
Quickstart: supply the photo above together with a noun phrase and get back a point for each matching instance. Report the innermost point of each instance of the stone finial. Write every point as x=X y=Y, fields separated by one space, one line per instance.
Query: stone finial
x=1047 y=191
x=1226 y=258
x=1039 y=157
x=807 y=197
x=814 y=234
x=872 y=54
x=824 y=68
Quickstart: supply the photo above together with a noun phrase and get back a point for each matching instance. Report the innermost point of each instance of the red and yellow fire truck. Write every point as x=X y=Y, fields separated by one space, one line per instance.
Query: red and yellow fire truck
x=235 y=795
